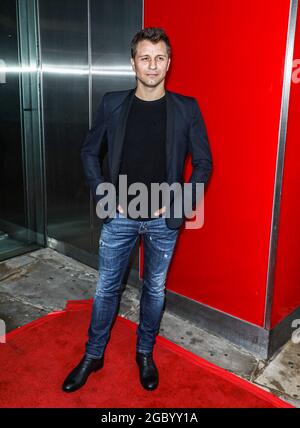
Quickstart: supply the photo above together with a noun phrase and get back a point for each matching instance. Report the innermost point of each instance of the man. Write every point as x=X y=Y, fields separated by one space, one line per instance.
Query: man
x=149 y=132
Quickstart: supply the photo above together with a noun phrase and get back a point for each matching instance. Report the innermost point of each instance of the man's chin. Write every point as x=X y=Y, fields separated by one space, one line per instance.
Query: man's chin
x=151 y=83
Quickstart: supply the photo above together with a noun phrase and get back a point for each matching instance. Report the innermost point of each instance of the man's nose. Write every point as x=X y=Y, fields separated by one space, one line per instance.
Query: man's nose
x=152 y=63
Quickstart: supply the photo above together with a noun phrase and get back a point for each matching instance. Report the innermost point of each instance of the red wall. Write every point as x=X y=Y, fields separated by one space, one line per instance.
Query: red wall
x=287 y=274
x=229 y=54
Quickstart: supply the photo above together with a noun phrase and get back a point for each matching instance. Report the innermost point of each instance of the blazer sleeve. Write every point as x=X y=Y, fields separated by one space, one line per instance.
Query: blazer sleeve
x=200 y=151
x=91 y=149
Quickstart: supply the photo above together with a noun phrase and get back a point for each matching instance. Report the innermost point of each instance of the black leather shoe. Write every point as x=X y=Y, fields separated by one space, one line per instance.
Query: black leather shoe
x=78 y=376
x=148 y=370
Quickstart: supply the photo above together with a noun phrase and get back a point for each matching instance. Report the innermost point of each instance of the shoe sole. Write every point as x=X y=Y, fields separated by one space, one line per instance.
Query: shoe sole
x=149 y=389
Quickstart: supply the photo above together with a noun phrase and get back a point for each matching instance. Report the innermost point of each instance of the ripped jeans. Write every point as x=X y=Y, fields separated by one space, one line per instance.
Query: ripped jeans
x=117 y=239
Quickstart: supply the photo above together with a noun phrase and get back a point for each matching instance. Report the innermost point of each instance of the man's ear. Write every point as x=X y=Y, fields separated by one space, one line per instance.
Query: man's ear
x=169 y=61
x=132 y=63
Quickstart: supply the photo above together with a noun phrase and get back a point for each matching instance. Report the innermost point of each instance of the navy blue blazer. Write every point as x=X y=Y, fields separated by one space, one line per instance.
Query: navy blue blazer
x=186 y=133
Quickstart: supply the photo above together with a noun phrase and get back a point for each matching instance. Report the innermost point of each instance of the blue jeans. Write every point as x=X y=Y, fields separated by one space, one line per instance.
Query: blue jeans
x=117 y=239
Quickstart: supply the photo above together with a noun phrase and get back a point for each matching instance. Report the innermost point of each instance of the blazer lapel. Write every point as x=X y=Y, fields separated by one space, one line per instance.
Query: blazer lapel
x=120 y=135
x=169 y=133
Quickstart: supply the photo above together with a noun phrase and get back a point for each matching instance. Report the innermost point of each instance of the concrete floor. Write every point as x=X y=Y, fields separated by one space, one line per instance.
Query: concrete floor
x=40 y=282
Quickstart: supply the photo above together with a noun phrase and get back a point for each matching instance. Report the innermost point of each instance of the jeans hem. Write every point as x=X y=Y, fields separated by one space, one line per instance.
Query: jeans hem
x=93 y=356
x=141 y=351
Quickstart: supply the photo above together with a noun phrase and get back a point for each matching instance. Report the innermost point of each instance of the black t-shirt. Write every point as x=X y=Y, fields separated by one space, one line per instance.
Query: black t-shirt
x=144 y=149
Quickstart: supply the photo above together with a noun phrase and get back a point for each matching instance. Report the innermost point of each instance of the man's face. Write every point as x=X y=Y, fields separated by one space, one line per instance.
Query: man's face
x=151 y=62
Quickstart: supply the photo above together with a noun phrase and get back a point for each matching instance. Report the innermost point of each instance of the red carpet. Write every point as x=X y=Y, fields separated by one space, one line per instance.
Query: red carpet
x=38 y=356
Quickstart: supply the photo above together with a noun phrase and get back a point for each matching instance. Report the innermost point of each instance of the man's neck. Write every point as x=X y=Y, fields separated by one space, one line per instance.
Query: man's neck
x=149 y=94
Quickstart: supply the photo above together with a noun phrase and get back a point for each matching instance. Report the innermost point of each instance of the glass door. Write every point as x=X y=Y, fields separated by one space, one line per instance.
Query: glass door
x=21 y=184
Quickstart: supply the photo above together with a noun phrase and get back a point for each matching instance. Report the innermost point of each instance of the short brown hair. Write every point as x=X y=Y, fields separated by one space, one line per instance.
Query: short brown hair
x=154 y=34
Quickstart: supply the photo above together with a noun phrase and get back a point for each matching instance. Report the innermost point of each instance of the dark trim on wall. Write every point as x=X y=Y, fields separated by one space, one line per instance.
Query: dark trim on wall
x=283 y=331
x=255 y=339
